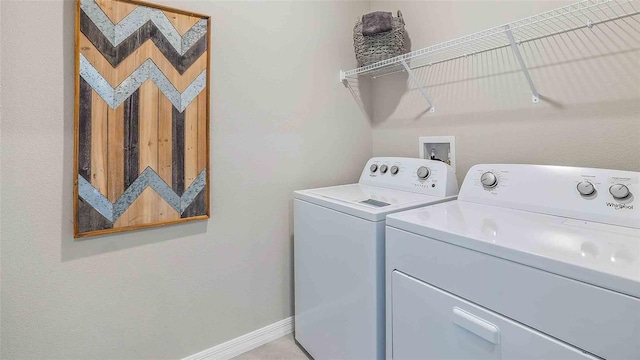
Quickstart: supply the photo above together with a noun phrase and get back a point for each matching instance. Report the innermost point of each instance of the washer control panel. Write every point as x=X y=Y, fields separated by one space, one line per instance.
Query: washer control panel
x=409 y=174
x=598 y=195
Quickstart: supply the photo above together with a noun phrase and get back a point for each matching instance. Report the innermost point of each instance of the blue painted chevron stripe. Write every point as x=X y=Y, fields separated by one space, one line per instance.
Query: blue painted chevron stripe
x=148 y=70
x=116 y=33
x=148 y=178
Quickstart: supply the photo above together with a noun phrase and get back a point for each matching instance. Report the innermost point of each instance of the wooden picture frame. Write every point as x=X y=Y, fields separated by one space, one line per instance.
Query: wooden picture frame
x=141 y=127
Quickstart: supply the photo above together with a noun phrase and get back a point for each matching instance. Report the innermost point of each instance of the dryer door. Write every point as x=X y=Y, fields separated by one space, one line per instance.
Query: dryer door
x=429 y=323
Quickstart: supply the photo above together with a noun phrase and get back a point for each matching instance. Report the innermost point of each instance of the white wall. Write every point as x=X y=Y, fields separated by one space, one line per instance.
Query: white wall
x=280 y=121
x=589 y=81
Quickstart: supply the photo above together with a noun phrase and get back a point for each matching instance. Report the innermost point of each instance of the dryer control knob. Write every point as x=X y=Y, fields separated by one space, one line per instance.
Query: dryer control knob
x=619 y=191
x=394 y=170
x=489 y=180
x=585 y=188
x=383 y=169
x=423 y=173
x=373 y=168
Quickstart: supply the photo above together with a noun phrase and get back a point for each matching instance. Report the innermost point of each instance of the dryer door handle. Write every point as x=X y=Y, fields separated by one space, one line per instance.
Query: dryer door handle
x=476 y=325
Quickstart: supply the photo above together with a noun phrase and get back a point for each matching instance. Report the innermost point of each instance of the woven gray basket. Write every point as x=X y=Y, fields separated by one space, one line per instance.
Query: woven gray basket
x=373 y=48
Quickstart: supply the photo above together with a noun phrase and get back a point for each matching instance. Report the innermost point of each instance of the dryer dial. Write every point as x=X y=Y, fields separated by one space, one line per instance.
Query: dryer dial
x=489 y=180
x=619 y=191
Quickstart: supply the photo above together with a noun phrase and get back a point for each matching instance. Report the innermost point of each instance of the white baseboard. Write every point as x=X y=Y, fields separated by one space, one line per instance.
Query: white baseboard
x=246 y=342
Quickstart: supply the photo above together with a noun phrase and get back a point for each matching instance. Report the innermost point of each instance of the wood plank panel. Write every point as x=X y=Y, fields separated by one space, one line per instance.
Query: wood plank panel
x=131 y=116
x=94 y=56
x=131 y=138
x=84 y=130
x=115 y=10
x=147 y=31
x=181 y=22
x=99 y=155
x=191 y=143
x=165 y=143
x=164 y=211
x=177 y=152
x=89 y=219
x=96 y=59
x=115 y=144
x=203 y=158
x=181 y=81
x=99 y=132
x=136 y=58
x=198 y=206
x=131 y=145
x=165 y=156
x=148 y=118
x=148 y=205
x=148 y=126
x=147 y=209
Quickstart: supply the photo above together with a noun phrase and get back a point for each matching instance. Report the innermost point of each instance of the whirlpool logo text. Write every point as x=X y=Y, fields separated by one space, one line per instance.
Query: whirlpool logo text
x=618 y=206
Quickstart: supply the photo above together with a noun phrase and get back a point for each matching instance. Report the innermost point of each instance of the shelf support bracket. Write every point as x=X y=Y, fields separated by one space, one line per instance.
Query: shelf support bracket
x=417 y=83
x=535 y=97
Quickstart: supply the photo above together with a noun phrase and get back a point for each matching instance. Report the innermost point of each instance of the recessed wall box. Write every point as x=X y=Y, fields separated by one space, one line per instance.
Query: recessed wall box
x=438 y=148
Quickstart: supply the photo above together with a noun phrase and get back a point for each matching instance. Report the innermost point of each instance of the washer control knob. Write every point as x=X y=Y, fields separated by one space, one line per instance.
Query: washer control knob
x=373 y=168
x=489 y=180
x=585 y=188
x=394 y=170
x=383 y=169
x=619 y=191
x=423 y=173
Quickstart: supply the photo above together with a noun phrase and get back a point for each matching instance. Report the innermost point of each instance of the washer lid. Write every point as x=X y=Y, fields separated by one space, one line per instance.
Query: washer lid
x=603 y=255
x=368 y=202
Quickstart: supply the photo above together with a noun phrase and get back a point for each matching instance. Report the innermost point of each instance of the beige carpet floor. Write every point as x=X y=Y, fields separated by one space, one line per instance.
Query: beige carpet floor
x=284 y=348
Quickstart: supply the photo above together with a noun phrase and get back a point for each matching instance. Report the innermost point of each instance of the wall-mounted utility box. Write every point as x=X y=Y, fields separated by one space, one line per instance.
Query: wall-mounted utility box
x=439 y=148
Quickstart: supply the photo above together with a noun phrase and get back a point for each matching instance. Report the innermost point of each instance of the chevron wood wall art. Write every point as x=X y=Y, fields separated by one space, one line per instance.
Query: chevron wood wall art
x=141 y=116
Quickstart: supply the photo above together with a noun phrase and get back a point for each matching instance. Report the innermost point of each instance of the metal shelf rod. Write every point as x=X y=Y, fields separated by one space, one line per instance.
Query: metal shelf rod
x=523 y=66
x=415 y=80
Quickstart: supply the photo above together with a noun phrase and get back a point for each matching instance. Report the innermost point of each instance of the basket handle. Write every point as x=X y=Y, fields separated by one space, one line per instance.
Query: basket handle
x=400 y=17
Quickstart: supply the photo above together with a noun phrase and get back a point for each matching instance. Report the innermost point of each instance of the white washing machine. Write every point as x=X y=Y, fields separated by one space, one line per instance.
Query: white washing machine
x=339 y=253
x=530 y=262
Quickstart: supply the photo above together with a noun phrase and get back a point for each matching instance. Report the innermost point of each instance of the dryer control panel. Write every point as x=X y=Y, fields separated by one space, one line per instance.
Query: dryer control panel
x=598 y=195
x=422 y=176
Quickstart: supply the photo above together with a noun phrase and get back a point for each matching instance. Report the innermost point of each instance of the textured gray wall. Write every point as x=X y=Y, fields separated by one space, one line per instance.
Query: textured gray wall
x=280 y=121
x=590 y=82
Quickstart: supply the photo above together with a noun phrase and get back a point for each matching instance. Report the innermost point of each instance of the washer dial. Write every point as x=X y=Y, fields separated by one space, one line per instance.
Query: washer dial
x=423 y=173
x=394 y=170
x=383 y=169
x=619 y=191
x=489 y=180
x=373 y=168
x=586 y=188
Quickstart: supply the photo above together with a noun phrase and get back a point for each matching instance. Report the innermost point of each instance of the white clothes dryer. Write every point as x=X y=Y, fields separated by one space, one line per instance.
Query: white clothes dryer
x=530 y=262
x=339 y=253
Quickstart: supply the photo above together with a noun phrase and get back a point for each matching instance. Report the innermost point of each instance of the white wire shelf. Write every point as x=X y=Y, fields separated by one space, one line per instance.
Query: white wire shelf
x=583 y=14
